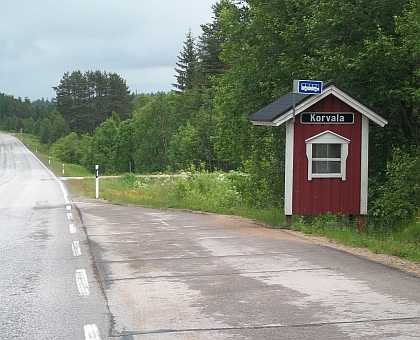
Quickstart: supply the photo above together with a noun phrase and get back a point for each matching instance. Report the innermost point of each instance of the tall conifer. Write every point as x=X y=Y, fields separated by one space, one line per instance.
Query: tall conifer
x=186 y=65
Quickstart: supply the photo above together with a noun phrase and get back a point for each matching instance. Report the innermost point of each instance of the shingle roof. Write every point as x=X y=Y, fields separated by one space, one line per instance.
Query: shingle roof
x=278 y=108
x=282 y=106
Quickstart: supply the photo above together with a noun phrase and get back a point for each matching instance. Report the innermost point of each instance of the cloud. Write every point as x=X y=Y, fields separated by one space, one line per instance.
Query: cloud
x=139 y=40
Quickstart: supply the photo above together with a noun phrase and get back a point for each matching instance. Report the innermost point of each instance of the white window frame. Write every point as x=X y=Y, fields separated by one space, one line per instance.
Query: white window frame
x=327 y=137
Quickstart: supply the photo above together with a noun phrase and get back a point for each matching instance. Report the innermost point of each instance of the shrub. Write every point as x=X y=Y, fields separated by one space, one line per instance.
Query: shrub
x=65 y=148
x=207 y=191
x=399 y=197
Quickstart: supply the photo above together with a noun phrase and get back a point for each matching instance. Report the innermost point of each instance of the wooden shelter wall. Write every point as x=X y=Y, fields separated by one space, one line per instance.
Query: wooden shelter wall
x=323 y=195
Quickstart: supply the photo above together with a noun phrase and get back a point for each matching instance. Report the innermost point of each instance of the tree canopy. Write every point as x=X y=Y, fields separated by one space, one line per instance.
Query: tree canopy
x=244 y=59
x=87 y=100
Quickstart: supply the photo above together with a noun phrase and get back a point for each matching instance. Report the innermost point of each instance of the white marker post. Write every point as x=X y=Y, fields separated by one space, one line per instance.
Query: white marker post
x=62 y=170
x=97 y=180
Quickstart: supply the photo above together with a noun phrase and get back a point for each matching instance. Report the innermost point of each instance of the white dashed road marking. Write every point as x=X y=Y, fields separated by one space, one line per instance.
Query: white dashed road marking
x=82 y=282
x=72 y=228
x=76 y=248
x=92 y=332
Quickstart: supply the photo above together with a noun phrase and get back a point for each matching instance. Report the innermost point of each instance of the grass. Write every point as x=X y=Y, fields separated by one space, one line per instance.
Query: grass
x=120 y=191
x=203 y=192
x=404 y=243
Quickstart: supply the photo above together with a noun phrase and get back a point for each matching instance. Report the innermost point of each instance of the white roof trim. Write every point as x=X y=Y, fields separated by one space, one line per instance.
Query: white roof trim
x=257 y=122
x=301 y=107
x=381 y=121
x=337 y=93
x=328 y=137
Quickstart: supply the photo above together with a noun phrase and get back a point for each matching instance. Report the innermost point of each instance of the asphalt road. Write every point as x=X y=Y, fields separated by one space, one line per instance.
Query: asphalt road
x=183 y=275
x=80 y=269
x=48 y=288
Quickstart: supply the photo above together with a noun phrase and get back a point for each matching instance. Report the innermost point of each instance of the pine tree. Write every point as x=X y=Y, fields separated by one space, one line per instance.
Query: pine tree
x=186 y=65
x=87 y=100
x=210 y=48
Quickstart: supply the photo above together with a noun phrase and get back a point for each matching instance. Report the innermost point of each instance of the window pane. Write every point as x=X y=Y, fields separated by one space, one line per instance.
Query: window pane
x=335 y=167
x=319 y=167
x=326 y=167
x=335 y=151
x=326 y=150
x=320 y=151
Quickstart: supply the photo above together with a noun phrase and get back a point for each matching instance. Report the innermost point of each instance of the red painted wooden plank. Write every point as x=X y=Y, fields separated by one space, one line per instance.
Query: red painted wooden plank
x=320 y=196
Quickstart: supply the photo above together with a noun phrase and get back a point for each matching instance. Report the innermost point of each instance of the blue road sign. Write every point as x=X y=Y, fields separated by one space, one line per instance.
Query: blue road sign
x=309 y=87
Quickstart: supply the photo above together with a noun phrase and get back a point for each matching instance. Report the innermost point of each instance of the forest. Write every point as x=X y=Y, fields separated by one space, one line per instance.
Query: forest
x=244 y=59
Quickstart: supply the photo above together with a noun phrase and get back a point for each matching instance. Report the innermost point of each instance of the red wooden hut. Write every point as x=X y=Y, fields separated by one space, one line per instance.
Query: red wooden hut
x=327 y=139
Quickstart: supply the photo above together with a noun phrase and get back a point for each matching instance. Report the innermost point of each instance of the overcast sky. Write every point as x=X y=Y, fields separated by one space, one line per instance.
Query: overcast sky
x=139 y=40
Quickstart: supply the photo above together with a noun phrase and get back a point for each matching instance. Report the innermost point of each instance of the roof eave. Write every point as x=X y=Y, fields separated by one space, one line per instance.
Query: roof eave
x=363 y=109
x=331 y=89
x=264 y=123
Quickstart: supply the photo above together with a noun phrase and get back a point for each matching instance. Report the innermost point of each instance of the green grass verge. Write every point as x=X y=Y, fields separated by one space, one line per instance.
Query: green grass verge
x=404 y=243
x=170 y=193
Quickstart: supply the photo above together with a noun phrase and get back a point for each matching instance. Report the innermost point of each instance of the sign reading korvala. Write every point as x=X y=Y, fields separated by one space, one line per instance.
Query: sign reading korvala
x=327 y=118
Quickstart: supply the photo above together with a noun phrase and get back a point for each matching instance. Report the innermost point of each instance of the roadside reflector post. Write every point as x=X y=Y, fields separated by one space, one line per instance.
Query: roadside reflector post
x=62 y=171
x=49 y=160
x=97 y=180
